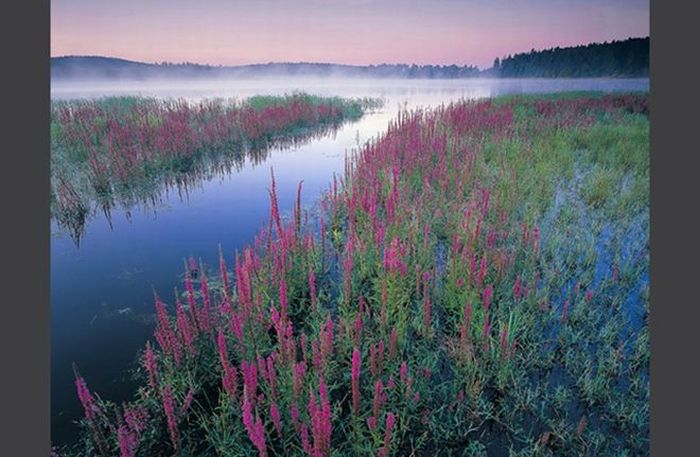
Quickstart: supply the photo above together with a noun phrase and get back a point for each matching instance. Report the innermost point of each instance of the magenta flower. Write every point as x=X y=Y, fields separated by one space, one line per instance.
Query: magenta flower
x=517 y=287
x=379 y=398
x=250 y=379
x=185 y=329
x=392 y=343
x=326 y=425
x=187 y=402
x=306 y=445
x=128 y=441
x=294 y=414
x=482 y=271
x=151 y=365
x=224 y=273
x=312 y=288
x=135 y=419
x=357 y=326
x=472 y=268
x=229 y=377
x=272 y=375
x=320 y=415
x=390 y=422
x=86 y=399
x=274 y=208
x=372 y=423
x=488 y=293
x=536 y=240
x=299 y=377
x=283 y=300
x=403 y=372
x=204 y=316
x=169 y=410
x=190 y=298
x=392 y=257
x=254 y=427
x=355 y=377
x=275 y=415
x=236 y=326
x=262 y=367
x=165 y=334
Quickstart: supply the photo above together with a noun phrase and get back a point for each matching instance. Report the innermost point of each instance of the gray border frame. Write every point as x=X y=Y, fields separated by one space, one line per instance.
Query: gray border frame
x=25 y=329
x=674 y=229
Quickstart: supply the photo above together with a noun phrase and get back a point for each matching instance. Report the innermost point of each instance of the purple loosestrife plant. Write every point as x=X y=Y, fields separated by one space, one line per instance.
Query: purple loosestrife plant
x=355 y=379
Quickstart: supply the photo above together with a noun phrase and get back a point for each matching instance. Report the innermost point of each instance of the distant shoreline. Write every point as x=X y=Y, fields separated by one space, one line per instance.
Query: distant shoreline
x=323 y=77
x=617 y=59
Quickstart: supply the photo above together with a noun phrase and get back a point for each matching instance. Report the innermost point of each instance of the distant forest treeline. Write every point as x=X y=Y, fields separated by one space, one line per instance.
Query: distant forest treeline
x=618 y=58
x=107 y=67
x=628 y=58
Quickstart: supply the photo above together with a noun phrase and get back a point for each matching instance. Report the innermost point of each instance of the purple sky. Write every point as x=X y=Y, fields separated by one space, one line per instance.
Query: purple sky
x=231 y=32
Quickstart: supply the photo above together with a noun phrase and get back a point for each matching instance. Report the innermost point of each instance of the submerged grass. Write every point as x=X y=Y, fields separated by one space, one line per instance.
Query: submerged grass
x=478 y=285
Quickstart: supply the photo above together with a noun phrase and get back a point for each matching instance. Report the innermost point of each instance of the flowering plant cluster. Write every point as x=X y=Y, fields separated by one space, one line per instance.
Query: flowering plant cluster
x=456 y=301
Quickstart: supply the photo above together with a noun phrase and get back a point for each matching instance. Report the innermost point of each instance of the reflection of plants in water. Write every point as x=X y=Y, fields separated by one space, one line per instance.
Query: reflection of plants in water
x=67 y=207
x=126 y=151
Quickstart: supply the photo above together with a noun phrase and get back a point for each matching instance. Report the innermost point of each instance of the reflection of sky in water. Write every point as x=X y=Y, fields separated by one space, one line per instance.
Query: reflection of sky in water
x=102 y=292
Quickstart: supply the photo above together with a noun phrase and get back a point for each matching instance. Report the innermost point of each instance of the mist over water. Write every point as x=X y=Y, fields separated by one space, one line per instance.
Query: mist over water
x=414 y=91
x=102 y=289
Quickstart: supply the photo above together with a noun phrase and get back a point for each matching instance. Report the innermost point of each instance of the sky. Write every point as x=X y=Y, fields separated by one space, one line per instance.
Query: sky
x=359 y=32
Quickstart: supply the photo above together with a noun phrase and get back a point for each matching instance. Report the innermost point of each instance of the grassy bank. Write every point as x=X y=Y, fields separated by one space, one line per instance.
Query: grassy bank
x=478 y=286
x=119 y=151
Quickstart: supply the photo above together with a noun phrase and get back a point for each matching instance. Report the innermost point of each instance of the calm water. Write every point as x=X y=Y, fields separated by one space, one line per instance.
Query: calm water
x=102 y=289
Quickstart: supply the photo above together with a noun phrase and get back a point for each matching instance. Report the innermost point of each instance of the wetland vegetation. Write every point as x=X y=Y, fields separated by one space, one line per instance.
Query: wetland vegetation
x=476 y=284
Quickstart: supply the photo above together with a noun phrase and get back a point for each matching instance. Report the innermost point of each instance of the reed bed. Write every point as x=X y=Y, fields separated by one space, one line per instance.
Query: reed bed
x=124 y=150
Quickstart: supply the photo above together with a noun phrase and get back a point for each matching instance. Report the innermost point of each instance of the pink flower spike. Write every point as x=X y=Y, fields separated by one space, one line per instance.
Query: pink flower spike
x=392 y=343
x=312 y=288
x=403 y=372
x=378 y=397
x=355 y=377
x=488 y=293
x=88 y=402
x=169 y=409
x=390 y=422
x=128 y=441
x=151 y=366
x=372 y=423
x=275 y=415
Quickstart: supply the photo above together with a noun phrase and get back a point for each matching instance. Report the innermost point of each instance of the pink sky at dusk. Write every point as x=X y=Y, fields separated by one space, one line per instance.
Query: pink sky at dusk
x=352 y=32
